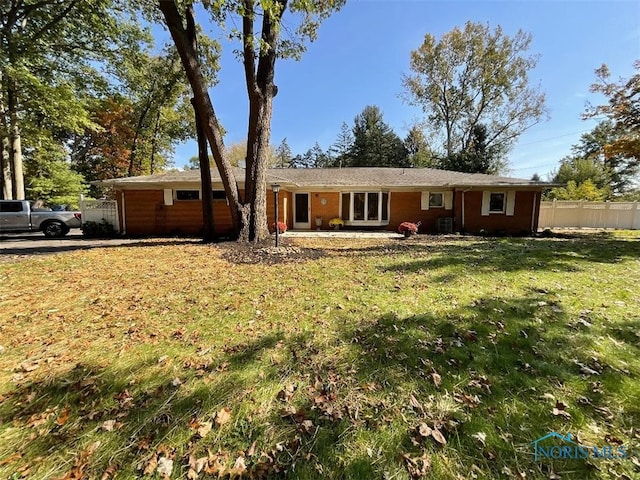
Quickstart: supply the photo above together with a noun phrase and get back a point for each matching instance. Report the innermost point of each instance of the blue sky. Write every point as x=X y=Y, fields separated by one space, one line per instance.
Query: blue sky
x=363 y=50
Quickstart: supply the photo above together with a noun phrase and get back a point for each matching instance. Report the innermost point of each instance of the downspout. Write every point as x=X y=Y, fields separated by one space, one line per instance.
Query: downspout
x=533 y=211
x=124 y=216
x=462 y=226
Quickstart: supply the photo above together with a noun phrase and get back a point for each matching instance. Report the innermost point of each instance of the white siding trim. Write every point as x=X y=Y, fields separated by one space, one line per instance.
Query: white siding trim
x=448 y=200
x=511 y=203
x=168 y=196
x=486 y=199
x=424 y=201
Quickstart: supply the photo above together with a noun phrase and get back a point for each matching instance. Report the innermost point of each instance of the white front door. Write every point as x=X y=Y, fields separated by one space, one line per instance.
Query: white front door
x=302 y=211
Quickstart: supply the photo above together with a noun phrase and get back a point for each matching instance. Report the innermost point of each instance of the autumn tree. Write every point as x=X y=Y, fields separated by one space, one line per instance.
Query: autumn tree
x=50 y=52
x=475 y=76
x=617 y=138
x=260 y=25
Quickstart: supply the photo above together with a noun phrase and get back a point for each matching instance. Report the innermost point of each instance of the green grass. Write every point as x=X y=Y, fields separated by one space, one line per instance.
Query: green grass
x=328 y=359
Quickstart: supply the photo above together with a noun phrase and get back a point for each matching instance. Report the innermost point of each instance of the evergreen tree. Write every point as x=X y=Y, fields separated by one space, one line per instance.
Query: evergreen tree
x=375 y=144
x=418 y=151
x=342 y=148
x=283 y=156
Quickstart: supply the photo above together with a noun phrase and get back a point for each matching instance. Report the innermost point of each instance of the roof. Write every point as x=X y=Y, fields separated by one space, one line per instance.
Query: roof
x=327 y=178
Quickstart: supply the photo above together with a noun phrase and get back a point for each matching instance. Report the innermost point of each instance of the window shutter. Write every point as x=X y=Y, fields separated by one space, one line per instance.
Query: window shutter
x=448 y=200
x=424 y=201
x=486 y=198
x=511 y=203
x=168 y=196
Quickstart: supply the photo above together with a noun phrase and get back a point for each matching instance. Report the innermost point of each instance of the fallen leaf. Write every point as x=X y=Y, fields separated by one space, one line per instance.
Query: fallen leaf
x=110 y=472
x=307 y=426
x=151 y=466
x=63 y=417
x=239 y=468
x=165 y=467
x=203 y=429
x=108 y=425
x=417 y=467
x=437 y=379
x=223 y=416
x=413 y=401
x=424 y=430
x=559 y=410
x=438 y=437
x=481 y=437
x=286 y=393
x=28 y=366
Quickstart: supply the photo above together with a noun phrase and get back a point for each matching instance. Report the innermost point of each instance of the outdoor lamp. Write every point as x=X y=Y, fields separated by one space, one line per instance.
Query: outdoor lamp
x=276 y=188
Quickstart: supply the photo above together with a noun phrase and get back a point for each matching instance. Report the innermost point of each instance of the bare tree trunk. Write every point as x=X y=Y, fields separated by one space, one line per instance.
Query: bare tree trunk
x=205 y=108
x=209 y=234
x=154 y=141
x=261 y=90
x=138 y=131
x=6 y=192
x=15 y=144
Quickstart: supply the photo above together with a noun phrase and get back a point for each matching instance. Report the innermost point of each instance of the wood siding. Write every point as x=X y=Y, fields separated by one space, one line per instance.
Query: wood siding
x=146 y=214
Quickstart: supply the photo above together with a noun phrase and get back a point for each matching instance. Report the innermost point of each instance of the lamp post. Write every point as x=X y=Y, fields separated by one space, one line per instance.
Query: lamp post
x=276 y=188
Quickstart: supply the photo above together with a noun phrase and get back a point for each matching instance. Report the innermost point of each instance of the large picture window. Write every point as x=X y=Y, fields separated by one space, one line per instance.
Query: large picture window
x=365 y=208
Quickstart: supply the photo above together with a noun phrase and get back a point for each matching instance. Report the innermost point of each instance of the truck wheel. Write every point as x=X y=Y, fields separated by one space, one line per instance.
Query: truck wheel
x=54 y=229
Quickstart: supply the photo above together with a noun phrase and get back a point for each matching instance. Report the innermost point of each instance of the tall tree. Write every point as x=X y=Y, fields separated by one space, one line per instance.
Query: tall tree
x=618 y=137
x=418 y=151
x=375 y=144
x=49 y=51
x=475 y=76
x=261 y=45
x=478 y=157
x=283 y=155
x=341 y=149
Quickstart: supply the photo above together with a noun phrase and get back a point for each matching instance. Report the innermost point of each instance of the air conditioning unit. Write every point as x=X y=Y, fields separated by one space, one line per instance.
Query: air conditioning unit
x=445 y=225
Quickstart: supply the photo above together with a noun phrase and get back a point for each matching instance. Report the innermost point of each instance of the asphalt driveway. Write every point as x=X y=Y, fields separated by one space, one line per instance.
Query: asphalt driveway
x=27 y=244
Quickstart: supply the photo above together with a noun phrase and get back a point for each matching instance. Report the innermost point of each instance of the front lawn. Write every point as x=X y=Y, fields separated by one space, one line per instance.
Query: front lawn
x=434 y=357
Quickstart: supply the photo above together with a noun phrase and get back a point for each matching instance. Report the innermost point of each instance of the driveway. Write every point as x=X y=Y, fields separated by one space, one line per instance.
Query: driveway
x=26 y=244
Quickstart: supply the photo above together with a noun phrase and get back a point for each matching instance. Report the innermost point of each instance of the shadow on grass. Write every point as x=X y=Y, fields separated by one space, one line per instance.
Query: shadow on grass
x=513 y=254
x=148 y=408
x=496 y=366
x=501 y=362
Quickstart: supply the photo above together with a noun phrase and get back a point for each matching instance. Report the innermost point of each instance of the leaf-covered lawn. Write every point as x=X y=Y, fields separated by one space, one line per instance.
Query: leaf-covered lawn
x=432 y=357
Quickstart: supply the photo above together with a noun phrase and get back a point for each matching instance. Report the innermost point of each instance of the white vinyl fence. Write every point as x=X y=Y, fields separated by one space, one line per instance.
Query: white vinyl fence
x=582 y=214
x=99 y=210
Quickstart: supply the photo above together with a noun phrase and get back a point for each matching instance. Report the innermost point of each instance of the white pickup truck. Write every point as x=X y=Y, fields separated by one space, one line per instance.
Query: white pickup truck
x=19 y=216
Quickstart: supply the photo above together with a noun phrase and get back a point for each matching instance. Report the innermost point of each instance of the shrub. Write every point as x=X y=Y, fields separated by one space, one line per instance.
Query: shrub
x=409 y=228
x=282 y=227
x=102 y=229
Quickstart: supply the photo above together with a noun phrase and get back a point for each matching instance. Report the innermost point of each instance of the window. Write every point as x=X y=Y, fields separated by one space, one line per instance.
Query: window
x=187 y=194
x=436 y=199
x=496 y=203
x=10 y=207
x=365 y=208
x=358 y=206
x=219 y=195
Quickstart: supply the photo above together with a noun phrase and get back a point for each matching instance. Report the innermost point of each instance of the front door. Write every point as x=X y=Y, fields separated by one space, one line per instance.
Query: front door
x=301 y=214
